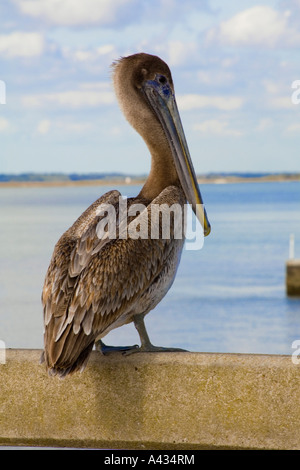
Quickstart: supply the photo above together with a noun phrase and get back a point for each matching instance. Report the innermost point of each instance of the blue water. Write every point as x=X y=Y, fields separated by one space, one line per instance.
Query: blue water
x=227 y=297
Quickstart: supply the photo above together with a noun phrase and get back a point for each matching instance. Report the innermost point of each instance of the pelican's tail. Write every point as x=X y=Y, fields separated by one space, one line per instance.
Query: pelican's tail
x=63 y=369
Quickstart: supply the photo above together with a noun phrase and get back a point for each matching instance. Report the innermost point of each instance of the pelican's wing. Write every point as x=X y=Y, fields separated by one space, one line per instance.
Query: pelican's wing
x=110 y=285
x=71 y=255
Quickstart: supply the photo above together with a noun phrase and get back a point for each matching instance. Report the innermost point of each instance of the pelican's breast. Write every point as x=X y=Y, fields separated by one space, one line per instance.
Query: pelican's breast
x=162 y=283
x=168 y=210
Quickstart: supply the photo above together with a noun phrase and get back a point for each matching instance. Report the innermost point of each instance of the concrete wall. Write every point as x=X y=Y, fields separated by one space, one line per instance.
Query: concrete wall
x=153 y=401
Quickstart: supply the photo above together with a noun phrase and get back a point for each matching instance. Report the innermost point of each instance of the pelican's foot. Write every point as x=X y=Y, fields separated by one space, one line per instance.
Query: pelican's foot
x=104 y=349
x=152 y=348
x=146 y=345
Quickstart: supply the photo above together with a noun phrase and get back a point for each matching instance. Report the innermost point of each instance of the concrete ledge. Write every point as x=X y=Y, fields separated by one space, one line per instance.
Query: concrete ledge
x=153 y=401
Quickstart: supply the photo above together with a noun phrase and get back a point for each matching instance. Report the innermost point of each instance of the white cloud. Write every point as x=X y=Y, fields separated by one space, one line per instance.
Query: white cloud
x=43 y=126
x=293 y=128
x=4 y=124
x=215 y=77
x=174 y=52
x=96 y=86
x=90 y=95
x=257 y=26
x=75 y=13
x=76 y=127
x=179 y=52
x=20 y=44
x=264 y=124
x=91 y=55
x=271 y=87
x=194 y=101
x=281 y=102
x=216 y=127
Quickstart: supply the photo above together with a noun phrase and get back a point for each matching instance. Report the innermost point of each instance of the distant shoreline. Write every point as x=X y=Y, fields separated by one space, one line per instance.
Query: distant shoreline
x=139 y=181
x=96 y=182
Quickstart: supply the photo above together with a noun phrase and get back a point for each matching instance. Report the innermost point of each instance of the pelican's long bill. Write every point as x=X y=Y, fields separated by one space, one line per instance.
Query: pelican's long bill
x=162 y=100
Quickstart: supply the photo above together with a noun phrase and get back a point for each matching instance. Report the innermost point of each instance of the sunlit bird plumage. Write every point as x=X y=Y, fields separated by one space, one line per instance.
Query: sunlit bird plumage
x=97 y=283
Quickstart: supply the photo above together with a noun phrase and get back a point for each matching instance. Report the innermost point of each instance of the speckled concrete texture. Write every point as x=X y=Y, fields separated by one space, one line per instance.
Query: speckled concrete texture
x=153 y=401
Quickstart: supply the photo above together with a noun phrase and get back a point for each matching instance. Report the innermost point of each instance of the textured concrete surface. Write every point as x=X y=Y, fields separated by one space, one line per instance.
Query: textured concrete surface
x=293 y=277
x=155 y=401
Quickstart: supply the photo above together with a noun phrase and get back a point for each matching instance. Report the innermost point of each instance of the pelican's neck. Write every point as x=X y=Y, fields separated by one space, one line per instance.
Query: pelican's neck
x=146 y=123
x=162 y=173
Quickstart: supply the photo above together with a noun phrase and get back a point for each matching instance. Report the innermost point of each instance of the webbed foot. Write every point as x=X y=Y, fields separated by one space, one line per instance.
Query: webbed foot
x=151 y=348
x=104 y=349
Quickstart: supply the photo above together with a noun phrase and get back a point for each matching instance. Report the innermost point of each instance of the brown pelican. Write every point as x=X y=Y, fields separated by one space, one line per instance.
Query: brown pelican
x=95 y=284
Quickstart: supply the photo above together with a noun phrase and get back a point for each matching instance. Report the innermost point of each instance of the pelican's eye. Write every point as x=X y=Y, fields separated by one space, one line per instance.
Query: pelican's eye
x=162 y=79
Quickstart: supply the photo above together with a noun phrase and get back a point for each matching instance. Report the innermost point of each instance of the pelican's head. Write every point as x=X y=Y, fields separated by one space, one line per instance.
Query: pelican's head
x=145 y=91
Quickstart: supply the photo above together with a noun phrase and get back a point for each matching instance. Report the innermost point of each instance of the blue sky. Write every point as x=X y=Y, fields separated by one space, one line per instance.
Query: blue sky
x=233 y=64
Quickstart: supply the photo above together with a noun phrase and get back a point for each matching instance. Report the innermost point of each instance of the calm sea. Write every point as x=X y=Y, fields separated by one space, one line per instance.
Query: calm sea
x=227 y=297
